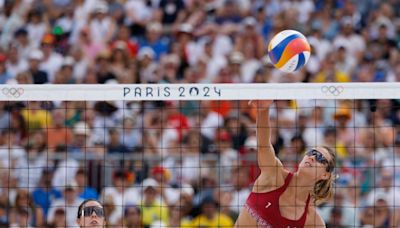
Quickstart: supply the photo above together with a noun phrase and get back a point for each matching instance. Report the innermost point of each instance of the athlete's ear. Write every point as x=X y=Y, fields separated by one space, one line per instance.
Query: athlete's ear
x=325 y=176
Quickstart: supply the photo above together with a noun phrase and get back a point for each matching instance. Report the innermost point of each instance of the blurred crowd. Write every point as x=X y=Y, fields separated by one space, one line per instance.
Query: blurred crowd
x=190 y=163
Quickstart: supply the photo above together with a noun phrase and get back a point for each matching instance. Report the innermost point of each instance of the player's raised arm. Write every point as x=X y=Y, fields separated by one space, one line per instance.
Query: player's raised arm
x=266 y=153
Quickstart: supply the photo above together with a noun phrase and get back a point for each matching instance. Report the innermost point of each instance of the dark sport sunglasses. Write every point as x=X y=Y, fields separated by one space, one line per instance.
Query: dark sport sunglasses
x=88 y=211
x=319 y=157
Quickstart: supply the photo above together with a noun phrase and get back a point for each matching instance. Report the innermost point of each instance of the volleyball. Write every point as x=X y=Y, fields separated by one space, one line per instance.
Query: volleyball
x=289 y=50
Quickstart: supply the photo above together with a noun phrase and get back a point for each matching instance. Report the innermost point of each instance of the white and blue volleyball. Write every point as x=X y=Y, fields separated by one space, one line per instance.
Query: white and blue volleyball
x=289 y=50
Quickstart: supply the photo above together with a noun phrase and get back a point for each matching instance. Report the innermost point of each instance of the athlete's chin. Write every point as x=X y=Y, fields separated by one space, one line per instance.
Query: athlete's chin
x=94 y=224
x=307 y=171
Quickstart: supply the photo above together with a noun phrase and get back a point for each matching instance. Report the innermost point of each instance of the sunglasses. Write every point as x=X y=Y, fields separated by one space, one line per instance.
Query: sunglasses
x=319 y=157
x=88 y=211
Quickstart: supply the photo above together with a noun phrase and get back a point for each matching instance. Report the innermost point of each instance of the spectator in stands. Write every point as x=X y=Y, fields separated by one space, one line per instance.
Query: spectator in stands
x=91 y=49
x=345 y=134
x=58 y=134
x=36 y=117
x=103 y=65
x=81 y=137
x=130 y=135
x=155 y=40
x=250 y=35
x=170 y=12
x=227 y=154
x=335 y=218
x=120 y=61
x=224 y=199
x=293 y=152
x=240 y=184
x=168 y=194
x=345 y=63
x=51 y=60
x=59 y=220
x=329 y=73
x=9 y=187
x=208 y=183
x=70 y=202
x=80 y=66
x=210 y=120
x=185 y=45
x=132 y=217
x=22 y=218
x=4 y=218
x=4 y=74
x=84 y=191
x=389 y=193
x=109 y=211
x=152 y=208
x=101 y=24
x=210 y=217
x=65 y=74
x=45 y=193
x=177 y=218
x=124 y=36
x=229 y=12
x=25 y=212
x=392 y=160
x=189 y=168
x=25 y=47
x=5 y=115
x=18 y=126
x=115 y=145
x=348 y=38
x=65 y=169
x=185 y=203
x=30 y=169
x=171 y=72
x=330 y=140
x=340 y=211
x=120 y=194
x=137 y=21
x=36 y=26
x=11 y=153
x=147 y=66
x=249 y=151
x=377 y=213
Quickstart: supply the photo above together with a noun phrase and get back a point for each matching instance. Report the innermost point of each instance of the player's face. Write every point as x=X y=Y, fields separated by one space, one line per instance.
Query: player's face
x=92 y=215
x=317 y=163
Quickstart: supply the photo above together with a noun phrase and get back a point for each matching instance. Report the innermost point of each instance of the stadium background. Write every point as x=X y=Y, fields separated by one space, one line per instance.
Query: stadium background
x=55 y=154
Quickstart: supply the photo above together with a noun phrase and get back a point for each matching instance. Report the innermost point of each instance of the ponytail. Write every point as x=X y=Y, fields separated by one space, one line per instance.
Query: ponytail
x=323 y=189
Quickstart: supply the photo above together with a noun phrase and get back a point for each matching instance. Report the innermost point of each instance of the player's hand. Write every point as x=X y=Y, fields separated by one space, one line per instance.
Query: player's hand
x=261 y=104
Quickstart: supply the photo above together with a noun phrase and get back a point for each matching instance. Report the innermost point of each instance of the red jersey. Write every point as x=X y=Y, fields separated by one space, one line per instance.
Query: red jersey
x=264 y=208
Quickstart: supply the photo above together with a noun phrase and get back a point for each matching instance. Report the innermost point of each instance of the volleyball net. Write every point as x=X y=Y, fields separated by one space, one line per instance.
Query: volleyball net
x=176 y=153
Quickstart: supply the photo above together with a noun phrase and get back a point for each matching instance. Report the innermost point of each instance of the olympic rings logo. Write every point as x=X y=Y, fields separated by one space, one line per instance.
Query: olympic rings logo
x=12 y=92
x=332 y=90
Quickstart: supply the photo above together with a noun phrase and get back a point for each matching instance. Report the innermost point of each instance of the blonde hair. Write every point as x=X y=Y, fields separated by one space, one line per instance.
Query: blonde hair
x=323 y=189
x=24 y=78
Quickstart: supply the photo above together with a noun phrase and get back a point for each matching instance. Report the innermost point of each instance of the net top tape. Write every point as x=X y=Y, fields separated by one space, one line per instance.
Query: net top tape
x=140 y=92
